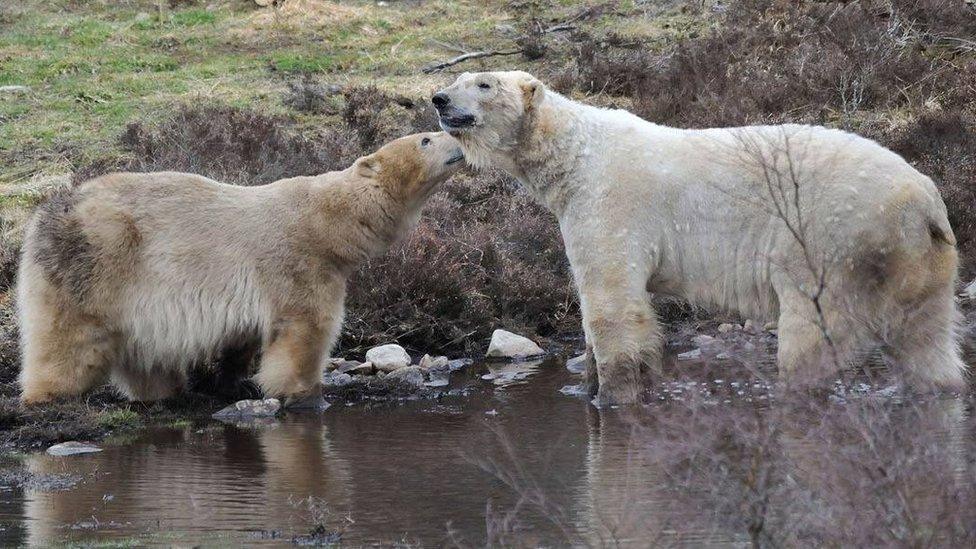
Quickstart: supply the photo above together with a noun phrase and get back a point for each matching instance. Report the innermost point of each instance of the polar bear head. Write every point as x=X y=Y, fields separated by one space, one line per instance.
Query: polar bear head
x=485 y=111
x=410 y=168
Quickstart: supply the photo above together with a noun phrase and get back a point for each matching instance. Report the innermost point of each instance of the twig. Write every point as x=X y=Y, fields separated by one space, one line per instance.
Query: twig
x=467 y=57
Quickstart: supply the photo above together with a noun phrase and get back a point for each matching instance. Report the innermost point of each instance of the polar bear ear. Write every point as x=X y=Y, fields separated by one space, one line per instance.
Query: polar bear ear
x=532 y=91
x=368 y=166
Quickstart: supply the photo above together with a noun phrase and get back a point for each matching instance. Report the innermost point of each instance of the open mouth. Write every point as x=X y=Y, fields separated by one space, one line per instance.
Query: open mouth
x=457 y=122
x=458 y=156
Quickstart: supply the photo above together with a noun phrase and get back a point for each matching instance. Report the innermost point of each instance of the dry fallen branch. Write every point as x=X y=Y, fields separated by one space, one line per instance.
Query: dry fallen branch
x=467 y=57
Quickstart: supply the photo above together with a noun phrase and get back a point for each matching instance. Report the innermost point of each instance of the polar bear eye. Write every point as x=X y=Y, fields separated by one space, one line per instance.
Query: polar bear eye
x=425 y=141
x=484 y=86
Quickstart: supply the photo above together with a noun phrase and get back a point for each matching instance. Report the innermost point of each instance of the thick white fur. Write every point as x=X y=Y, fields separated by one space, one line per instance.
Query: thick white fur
x=836 y=237
x=142 y=275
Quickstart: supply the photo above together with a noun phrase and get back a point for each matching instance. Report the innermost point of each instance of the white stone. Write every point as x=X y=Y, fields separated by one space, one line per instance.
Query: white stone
x=970 y=291
x=508 y=345
x=703 y=340
x=14 y=89
x=725 y=328
x=387 y=358
x=693 y=354
x=750 y=326
x=336 y=379
x=72 y=448
x=357 y=369
x=428 y=363
x=268 y=407
x=577 y=364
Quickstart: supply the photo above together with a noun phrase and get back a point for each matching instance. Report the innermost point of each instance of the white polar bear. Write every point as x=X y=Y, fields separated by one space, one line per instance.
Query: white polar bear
x=838 y=237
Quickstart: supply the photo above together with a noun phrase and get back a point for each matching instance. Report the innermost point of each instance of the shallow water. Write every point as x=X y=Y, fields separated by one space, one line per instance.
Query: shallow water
x=513 y=461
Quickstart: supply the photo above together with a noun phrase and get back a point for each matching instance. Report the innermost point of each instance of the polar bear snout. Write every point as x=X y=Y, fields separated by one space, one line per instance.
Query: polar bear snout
x=452 y=116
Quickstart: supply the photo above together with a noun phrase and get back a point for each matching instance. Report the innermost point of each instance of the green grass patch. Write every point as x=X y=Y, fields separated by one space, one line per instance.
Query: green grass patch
x=119 y=419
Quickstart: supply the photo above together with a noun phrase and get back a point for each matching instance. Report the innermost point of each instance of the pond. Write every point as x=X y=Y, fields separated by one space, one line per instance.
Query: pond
x=505 y=458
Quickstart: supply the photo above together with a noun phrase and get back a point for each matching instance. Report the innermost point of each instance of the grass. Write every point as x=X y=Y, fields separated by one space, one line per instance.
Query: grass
x=123 y=418
x=93 y=69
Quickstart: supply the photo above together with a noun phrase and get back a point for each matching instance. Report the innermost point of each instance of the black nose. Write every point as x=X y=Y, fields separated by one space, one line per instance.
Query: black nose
x=440 y=100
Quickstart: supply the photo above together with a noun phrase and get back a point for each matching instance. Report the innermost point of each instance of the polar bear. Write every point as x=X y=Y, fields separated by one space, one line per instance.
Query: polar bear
x=140 y=275
x=837 y=238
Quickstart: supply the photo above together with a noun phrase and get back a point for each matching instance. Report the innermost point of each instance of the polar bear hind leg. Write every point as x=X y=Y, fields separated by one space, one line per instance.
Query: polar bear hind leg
x=65 y=352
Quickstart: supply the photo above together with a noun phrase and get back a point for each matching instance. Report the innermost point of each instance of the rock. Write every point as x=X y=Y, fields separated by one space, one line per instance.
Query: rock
x=508 y=345
x=970 y=291
x=411 y=375
x=750 y=326
x=354 y=368
x=577 y=364
x=769 y=326
x=334 y=363
x=437 y=369
x=459 y=363
x=703 y=340
x=336 y=379
x=726 y=328
x=693 y=354
x=243 y=409
x=72 y=448
x=574 y=390
x=436 y=363
x=387 y=358
x=13 y=90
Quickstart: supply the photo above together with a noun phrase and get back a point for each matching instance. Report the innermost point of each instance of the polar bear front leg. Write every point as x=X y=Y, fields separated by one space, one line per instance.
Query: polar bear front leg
x=622 y=329
x=292 y=359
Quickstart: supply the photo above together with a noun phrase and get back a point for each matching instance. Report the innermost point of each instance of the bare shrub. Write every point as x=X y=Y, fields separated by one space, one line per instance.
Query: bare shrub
x=9 y=258
x=232 y=145
x=483 y=254
x=861 y=469
x=309 y=95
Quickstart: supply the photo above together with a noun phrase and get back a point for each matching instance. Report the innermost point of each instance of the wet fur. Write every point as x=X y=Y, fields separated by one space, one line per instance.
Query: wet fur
x=137 y=277
x=646 y=208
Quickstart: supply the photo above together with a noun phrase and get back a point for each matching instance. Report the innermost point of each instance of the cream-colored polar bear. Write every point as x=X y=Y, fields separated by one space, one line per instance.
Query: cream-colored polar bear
x=836 y=236
x=140 y=275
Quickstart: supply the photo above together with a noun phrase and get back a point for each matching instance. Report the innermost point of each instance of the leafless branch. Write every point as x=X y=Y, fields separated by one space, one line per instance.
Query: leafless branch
x=467 y=57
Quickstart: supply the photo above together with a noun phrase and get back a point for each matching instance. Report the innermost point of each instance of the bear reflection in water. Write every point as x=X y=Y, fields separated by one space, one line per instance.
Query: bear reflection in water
x=548 y=470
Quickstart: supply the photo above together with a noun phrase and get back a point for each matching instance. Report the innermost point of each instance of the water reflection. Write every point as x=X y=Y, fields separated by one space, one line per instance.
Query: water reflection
x=530 y=466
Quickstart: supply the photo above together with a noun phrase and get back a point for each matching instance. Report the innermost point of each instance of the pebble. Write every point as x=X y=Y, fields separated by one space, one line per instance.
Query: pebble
x=250 y=408
x=505 y=344
x=577 y=364
x=387 y=358
x=693 y=354
x=72 y=448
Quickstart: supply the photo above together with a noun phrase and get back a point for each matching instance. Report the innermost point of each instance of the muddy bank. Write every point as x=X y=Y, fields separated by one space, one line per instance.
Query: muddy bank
x=741 y=356
x=503 y=457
